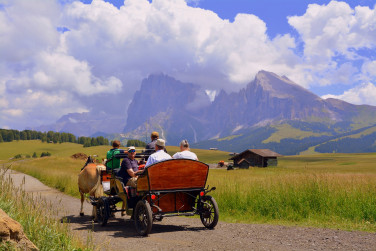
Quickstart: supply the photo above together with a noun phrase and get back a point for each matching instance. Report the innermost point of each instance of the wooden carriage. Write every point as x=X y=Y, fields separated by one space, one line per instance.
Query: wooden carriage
x=173 y=187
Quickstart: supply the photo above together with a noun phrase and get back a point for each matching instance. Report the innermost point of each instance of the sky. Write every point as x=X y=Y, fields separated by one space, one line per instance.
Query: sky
x=64 y=56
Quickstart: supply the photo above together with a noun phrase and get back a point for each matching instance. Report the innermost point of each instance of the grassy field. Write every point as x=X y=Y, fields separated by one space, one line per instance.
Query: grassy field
x=325 y=190
x=28 y=147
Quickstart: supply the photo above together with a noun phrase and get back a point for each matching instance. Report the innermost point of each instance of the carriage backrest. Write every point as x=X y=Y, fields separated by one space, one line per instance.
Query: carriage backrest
x=177 y=174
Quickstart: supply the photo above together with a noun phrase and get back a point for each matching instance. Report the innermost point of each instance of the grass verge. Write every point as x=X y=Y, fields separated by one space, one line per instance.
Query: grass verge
x=37 y=218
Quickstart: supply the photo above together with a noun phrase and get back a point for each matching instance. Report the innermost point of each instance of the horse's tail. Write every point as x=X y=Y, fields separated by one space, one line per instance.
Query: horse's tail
x=98 y=188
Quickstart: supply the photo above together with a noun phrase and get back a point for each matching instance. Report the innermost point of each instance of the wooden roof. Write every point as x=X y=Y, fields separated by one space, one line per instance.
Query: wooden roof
x=261 y=152
x=240 y=161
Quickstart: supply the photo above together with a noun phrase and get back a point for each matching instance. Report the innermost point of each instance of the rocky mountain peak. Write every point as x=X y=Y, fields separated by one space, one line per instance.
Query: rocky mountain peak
x=281 y=86
x=160 y=93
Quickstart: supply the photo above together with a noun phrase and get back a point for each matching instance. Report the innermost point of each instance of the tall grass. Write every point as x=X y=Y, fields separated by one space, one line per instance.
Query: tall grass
x=345 y=201
x=38 y=219
x=57 y=172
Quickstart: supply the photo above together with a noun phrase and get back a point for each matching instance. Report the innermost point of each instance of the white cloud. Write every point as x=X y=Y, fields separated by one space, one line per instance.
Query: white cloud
x=368 y=71
x=362 y=94
x=333 y=35
x=188 y=43
x=100 y=60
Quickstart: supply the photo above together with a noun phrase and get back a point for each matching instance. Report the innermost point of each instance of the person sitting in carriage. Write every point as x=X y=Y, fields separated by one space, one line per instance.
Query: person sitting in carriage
x=129 y=168
x=112 y=163
x=160 y=153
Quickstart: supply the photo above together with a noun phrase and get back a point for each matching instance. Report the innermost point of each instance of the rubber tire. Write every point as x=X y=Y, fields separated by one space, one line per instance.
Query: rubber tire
x=211 y=220
x=143 y=218
x=102 y=214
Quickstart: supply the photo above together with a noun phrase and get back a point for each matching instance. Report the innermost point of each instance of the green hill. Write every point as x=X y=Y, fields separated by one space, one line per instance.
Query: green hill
x=295 y=137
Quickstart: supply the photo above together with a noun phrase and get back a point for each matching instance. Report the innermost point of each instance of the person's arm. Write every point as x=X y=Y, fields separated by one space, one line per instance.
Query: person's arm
x=131 y=172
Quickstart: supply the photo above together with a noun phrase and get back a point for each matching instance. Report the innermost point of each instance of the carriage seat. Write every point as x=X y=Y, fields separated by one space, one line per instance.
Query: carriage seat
x=130 y=191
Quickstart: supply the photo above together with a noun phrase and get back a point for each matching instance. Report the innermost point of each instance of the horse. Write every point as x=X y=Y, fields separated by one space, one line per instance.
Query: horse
x=89 y=182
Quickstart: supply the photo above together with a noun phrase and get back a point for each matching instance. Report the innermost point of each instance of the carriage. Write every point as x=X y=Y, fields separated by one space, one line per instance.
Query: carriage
x=174 y=187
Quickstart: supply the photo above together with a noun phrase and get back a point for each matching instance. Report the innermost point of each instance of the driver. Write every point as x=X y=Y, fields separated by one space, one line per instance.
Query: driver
x=129 y=168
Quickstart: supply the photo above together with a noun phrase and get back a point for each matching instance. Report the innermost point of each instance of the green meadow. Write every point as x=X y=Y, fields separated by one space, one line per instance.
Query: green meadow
x=324 y=190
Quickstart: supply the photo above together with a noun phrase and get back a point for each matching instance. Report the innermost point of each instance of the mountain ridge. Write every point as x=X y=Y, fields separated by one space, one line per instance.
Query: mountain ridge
x=181 y=110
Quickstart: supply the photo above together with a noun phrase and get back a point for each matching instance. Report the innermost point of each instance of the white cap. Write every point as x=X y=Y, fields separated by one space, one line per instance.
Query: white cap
x=160 y=142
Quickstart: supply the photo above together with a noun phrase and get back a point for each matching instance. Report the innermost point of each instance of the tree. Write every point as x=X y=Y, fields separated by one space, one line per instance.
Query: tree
x=35 y=155
x=23 y=135
x=94 y=142
x=10 y=136
x=136 y=142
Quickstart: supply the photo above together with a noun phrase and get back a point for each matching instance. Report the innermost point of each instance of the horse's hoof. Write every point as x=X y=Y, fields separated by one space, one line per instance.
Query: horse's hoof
x=82 y=214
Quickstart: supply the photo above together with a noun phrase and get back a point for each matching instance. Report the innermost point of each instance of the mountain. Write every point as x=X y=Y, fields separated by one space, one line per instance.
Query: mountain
x=270 y=112
x=169 y=106
x=86 y=124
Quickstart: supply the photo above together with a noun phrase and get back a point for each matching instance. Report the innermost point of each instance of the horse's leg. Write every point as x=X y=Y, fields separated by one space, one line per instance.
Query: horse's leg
x=82 y=204
x=95 y=217
x=123 y=208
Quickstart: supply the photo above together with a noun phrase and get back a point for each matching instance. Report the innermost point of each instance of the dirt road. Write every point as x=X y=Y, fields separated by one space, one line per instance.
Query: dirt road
x=179 y=233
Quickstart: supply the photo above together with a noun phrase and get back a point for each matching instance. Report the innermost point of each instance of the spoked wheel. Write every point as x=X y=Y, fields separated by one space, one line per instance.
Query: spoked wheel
x=209 y=212
x=143 y=217
x=102 y=213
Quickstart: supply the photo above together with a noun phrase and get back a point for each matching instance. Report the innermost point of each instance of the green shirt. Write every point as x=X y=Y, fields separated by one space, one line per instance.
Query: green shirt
x=112 y=162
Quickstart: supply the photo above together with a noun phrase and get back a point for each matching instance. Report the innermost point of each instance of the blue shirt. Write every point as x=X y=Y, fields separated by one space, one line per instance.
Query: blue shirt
x=125 y=165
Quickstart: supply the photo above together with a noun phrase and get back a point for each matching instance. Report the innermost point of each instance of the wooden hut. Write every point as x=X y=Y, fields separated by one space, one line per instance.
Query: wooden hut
x=255 y=157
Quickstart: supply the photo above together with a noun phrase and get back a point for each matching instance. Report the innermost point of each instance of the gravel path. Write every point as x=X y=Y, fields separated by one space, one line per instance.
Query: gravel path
x=180 y=233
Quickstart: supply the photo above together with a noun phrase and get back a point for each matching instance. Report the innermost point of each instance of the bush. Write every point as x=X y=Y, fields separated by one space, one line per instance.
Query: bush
x=45 y=154
x=18 y=156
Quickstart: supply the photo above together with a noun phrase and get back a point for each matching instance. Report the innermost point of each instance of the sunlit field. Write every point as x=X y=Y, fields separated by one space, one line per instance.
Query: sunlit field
x=326 y=190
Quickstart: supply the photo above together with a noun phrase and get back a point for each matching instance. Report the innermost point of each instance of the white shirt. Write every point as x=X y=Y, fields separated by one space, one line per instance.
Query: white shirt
x=185 y=155
x=158 y=156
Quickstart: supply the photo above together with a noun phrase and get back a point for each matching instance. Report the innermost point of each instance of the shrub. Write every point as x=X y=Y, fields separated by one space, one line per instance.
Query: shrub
x=18 y=156
x=45 y=154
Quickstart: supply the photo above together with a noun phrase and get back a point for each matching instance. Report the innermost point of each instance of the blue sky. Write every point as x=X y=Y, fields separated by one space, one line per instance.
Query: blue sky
x=90 y=56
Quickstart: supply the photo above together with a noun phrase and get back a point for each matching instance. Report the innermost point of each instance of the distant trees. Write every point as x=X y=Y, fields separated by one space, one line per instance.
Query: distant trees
x=7 y=135
x=88 y=141
x=136 y=143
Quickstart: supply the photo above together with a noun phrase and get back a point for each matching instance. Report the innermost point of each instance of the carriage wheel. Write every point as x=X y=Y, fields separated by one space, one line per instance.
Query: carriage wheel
x=143 y=217
x=102 y=213
x=209 y=212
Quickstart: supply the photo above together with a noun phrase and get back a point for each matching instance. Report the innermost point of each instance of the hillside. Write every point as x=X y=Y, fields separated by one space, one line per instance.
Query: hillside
x=293 y=137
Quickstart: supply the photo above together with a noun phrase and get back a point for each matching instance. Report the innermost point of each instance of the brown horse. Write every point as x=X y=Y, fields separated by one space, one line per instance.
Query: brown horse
x=89 y=182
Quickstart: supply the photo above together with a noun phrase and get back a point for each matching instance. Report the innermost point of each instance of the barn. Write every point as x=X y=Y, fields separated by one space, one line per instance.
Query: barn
x=255 y=157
